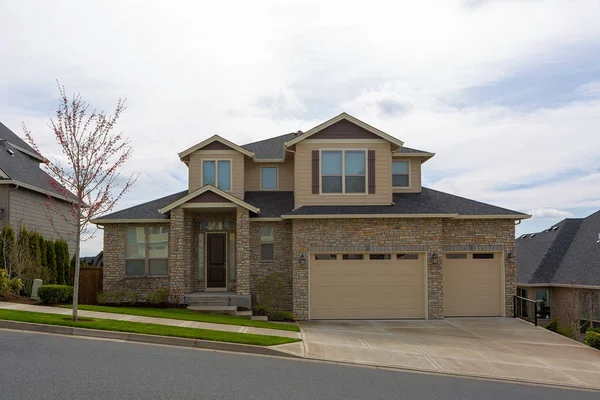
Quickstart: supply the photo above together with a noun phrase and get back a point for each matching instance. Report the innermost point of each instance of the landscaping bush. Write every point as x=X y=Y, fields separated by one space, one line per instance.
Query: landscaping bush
x=4 y=283
x=117 y=298
x=592 y=339
x=597 y=330
x=54 y=294
x=281 y=316
x=158 y=297
x=16 y=285
x=553 y=325
x=260 y=310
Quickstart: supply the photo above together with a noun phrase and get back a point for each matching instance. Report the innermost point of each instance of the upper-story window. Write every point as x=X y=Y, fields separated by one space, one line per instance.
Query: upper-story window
x=343 y=171
x=400 y=174
x=268 y=178
x=217 y=173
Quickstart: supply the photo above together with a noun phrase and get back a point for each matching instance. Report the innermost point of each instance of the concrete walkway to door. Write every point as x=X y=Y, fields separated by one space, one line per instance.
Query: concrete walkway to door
x=501 y=348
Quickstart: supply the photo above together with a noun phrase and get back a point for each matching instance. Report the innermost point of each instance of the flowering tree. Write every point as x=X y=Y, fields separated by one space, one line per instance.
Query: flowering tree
x=88 y=173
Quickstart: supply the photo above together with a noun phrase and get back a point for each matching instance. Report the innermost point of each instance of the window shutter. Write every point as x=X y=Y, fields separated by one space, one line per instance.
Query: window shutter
x=315 y=171
x=371 y=171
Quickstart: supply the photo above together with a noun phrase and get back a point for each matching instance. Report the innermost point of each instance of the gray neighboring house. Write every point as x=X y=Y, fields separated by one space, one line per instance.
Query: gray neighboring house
x=558 y=262
x=26 y=191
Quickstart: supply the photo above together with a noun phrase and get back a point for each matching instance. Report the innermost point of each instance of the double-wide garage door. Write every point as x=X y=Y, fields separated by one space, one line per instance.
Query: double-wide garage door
x=362 y=286
x=473 y=285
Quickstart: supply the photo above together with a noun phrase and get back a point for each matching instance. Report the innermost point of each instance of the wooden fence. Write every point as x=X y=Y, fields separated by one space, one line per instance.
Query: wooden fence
x=90 y=284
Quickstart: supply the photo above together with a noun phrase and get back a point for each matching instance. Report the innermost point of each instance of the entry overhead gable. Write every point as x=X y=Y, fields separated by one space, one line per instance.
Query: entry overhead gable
x=345 y=126
x=215 y=142
x=209 y=194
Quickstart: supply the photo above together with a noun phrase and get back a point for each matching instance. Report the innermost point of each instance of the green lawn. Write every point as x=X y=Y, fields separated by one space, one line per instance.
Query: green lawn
x=149 y=329
x=188 y=315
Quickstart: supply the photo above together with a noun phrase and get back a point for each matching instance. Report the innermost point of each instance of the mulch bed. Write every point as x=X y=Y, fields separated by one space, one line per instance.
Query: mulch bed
x=11 y=298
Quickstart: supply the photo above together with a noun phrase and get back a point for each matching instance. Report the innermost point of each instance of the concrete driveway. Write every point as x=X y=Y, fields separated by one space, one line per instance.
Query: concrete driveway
x=502 y=348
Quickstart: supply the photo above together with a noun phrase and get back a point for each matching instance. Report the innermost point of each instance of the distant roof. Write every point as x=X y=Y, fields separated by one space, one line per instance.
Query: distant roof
x=22 y=167
x=428 y=202
x=565 y=253
x=269 y=149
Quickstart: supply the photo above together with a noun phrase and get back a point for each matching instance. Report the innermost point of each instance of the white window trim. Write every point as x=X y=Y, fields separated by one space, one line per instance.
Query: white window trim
x=276 y=177
x=409 y=171
x=343 y=193
x=216 y=161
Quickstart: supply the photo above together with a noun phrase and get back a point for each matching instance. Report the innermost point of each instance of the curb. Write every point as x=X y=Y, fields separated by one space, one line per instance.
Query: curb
x=143 y=338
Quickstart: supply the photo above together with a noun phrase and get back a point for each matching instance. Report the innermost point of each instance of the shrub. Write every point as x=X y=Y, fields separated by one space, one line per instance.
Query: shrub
x=553 y=325
x=592 y=339
x=104 y=298
x=4 y=283
x=7 y=242
x=51 y=261
x=597 y=330
x=16 y=284
x=54 y=294
x=158 y=297
x=258 y=309
x=281 y=316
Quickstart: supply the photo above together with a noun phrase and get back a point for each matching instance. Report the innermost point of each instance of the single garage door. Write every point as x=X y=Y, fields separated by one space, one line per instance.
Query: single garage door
x=473 y=285
x=367 y=286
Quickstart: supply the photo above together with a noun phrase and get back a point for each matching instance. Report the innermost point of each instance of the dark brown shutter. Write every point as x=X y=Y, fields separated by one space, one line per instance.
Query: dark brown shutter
x=315 y=171
x=371 y=171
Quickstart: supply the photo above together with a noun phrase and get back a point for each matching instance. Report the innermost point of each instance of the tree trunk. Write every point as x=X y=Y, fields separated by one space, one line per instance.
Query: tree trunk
x=77 y=262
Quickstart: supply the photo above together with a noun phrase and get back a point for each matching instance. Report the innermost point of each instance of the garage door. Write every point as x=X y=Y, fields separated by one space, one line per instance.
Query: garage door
x=473 y=285
x=363 y=286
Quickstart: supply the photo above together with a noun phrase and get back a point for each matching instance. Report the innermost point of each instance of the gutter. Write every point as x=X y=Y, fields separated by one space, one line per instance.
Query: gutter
x=35 y=189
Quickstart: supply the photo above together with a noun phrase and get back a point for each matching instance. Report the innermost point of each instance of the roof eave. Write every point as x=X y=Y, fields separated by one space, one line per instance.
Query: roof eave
x=495 y=216
x=213 y=189
x=350 y=216
x=211 y=139
x=101 y=221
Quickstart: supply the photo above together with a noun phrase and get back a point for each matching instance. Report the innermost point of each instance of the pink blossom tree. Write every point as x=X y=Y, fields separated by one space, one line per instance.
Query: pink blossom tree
x=88 y=173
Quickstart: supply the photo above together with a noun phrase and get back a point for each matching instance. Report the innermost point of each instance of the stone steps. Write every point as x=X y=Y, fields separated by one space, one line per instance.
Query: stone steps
x=218 y=309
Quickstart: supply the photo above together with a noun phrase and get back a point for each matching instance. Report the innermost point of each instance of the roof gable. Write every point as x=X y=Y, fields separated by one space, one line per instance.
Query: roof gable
x=221 y=144
x=209 y=188
x=348 y=118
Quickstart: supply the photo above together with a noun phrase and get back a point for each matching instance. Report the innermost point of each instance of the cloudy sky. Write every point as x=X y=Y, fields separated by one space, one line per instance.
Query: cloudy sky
x=507 y=93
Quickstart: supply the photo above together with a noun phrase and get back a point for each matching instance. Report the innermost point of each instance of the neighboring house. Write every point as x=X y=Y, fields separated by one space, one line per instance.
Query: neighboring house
x=560 y=269
x=28 y=196
x=332 y=222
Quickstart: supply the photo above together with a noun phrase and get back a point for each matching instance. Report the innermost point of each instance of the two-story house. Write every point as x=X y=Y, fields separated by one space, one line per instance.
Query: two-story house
x=334 y=220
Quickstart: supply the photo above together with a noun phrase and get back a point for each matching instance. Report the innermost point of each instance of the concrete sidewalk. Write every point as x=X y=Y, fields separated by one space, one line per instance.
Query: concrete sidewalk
x=151 y=320
x=498 y=348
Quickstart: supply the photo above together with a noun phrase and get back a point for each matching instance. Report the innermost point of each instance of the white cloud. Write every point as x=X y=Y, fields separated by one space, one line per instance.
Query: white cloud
x=590 y=88
x=249 y=71
x=549 y=213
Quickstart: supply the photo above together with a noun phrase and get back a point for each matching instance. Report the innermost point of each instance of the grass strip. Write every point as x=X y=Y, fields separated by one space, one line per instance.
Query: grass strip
x=188 y=315
x=148 y=329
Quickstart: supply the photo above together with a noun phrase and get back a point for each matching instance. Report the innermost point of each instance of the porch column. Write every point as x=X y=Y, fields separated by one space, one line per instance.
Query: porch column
x=180 y=254
x=242 y=251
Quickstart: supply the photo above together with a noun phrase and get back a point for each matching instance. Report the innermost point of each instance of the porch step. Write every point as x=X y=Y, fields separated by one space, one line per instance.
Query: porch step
x=244 y=314
x=217 y=309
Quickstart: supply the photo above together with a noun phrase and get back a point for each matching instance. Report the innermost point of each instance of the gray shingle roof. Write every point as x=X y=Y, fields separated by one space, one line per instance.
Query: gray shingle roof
x=148 y=210
x=405 y=149
x=21 y=167
x=428 y=202
x=568 y=255
x=271 y=204
x=273 y=148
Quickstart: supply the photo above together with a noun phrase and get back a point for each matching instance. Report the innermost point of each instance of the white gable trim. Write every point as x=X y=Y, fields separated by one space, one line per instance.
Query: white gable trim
x=350 y=118
x=211 y=139
x=213 y=189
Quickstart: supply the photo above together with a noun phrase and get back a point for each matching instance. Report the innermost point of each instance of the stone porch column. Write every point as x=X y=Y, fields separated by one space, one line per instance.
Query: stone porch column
x=180 y=254
x=242 y=251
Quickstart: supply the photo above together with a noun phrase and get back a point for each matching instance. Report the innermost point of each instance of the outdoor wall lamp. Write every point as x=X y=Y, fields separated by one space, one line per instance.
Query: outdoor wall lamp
x=510 y=255
x=434 y=256
x=302 y=257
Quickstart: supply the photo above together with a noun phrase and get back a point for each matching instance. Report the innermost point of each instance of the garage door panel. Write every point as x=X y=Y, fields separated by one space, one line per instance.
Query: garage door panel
x=473 y=287
x=354 y=289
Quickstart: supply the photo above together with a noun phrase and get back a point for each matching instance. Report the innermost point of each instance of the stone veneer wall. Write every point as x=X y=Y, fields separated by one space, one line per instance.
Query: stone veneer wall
x=242 y=251
x=432 y=235
x=262 y=271
x=114 y=279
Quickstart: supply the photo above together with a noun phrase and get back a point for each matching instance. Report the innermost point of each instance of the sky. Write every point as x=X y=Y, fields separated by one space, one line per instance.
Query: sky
x=506 y=93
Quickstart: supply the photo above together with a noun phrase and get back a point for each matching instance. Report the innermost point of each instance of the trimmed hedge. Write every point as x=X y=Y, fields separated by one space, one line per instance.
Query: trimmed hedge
x=54 y=294
x=592 y=339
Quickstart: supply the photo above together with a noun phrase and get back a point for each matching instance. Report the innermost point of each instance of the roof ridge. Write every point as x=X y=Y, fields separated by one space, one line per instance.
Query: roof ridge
x=557 y=250
x=271 y=138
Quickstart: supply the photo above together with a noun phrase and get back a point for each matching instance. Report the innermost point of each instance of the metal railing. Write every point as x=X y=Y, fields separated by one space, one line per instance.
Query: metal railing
x=521 y=309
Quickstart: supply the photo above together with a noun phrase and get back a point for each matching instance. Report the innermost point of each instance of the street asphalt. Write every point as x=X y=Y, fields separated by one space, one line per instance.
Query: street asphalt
x=36 y=366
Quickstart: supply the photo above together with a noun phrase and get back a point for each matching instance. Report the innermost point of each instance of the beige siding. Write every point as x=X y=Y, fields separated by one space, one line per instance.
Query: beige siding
x=30 y=209
x=303 y=174
x=237 y=169
x=414 y=179
x=285 y=174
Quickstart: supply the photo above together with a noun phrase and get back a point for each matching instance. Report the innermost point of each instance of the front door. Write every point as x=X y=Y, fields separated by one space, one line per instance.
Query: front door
x=215 y=259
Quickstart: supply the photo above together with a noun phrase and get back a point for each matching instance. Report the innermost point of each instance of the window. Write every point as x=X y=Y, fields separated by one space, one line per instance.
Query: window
x=400 y=174
x=266 y=243
x=542 y=298
x=147 y=251
x=353 y=256
x=483 y=256
x=456 y=256
x=268 y=178
x=380 y=256
x=135 y=264
x=217 y=173
x=343 y=171
x=326 y=257
x=410 y=256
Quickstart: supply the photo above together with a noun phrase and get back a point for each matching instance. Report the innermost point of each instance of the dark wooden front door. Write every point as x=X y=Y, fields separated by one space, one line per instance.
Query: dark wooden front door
x=216 y=274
